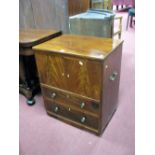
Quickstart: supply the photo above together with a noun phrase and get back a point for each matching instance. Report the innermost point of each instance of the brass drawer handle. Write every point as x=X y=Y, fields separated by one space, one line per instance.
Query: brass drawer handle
x=113 y=76
x=83 y=119
x=56 y=109
x=82 y=105
x=53 y=95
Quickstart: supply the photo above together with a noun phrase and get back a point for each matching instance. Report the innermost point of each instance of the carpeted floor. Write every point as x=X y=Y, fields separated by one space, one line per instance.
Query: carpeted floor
x=44 y=135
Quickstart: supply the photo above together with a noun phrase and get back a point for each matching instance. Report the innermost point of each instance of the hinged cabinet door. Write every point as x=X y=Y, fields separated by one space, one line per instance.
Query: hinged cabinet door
x=78 y=75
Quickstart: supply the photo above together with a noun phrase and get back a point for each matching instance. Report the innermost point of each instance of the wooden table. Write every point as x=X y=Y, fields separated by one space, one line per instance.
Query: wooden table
x=28 y=76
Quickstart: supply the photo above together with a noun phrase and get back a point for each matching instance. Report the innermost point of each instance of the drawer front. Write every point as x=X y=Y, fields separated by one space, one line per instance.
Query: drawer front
x=71 y=100
x=77 y=75
x=71 y=114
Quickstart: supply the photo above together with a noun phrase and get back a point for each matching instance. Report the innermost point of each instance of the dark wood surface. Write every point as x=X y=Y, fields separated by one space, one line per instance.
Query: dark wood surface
x=80 y=46
x=31 y=37
x=72 y=114
x=72 y=72
x=66 y=73
x=112 y=64
x=78 y=6
x=28 y=75
x=75 y=101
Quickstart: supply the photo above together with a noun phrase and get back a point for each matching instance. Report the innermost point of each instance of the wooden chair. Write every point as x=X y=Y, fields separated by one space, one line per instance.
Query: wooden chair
x=107 y=5
x=131 y=15
x=119 y=32
x=97 y=4
x=101 y=4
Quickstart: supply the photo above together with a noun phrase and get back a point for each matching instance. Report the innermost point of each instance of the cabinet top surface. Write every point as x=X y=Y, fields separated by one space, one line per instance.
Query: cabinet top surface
x=83 y=46
x=31 y=36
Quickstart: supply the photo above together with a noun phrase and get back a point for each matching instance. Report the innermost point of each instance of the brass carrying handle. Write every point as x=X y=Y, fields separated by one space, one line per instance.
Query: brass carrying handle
x=113 y=76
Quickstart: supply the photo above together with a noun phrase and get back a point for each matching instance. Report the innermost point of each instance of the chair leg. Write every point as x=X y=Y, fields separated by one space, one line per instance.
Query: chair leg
x=127 y=22
x=134 y=21
x=131 y=20
x=119 y=35
x=116 y=7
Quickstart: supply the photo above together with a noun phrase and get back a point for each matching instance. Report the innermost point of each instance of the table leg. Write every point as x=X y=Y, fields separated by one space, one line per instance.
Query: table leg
x=29 y=83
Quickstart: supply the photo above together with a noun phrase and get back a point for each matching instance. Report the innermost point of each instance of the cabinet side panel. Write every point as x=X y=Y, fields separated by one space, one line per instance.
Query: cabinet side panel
x=111 y=69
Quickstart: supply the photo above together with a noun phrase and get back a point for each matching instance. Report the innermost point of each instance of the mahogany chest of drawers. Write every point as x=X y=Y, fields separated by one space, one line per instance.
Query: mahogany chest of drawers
x=79 y=78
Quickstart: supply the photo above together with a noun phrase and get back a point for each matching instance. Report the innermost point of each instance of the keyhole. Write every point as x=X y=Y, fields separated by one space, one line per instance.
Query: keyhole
x=80 y=63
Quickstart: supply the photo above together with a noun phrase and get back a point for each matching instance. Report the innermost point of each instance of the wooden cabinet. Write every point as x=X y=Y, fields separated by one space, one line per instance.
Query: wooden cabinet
x=51 y=14
x=78 y=6
x=79 y=78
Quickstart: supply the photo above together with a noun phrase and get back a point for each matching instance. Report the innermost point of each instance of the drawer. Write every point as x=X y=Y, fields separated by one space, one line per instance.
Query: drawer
x=71 y=114
x=71 y=100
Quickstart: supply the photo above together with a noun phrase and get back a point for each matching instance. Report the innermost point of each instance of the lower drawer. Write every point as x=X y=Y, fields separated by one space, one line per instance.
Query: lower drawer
x=71 y=100
x=79 y=117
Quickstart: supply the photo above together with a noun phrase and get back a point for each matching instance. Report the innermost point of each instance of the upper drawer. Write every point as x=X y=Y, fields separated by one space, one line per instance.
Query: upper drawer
x=77 y=75
x=71 y=100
